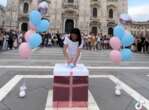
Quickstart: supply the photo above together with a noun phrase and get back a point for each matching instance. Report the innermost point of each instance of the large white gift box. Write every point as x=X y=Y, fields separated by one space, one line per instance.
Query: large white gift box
x=70 y=86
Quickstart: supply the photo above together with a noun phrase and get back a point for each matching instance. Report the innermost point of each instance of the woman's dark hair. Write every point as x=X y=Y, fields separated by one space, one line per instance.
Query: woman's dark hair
x=78 y=33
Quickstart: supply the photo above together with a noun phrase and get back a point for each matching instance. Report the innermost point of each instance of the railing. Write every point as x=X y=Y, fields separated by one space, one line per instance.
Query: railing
x=73 y=5
x=95 y=19
x=95 y=2
x=111 y=19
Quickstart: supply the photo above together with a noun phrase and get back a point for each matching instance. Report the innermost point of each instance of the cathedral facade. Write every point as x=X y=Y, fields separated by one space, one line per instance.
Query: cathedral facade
x=98 y=16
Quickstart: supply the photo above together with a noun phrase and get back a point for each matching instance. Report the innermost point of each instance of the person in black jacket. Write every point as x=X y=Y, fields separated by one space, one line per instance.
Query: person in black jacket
x=10 y=40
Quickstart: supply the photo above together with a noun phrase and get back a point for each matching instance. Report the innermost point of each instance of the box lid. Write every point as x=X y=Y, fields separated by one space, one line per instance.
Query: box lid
x=64 y=70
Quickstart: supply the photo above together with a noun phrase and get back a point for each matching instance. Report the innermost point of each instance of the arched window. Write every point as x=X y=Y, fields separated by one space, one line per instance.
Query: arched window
x=69 y=25
x=25 y=8
x=94 y=12
x=24 y=27
x=110 y=31
x=94 y=30
x=111 y=13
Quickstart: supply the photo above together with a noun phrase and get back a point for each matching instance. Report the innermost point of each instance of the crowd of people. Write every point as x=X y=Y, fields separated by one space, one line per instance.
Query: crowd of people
x=100 y=42
x=8 y=39
x=96 y=42
x=141 y=45
x=13 y=38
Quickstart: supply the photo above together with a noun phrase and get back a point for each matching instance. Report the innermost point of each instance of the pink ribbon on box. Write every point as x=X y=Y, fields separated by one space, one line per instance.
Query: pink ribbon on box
x=66 y=86
x=71 y=89
x=70 y=86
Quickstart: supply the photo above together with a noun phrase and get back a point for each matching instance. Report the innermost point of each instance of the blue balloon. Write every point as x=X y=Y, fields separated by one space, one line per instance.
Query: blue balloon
x=127 y=40
x=43 y=26
x=126 y=54
x=35 y=40
x=35 y=17
x=119 y=31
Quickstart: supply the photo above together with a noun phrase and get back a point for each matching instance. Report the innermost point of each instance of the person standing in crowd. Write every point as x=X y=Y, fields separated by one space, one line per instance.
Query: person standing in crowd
x=49 y=40
x=142 y=44
x=139 y=45
x=85 y=41
x=89 y=42
x=98 y=42
x=93 y=41
x=59 y=41
x=5 y=41
x=107 y=42
x=20 y=38
x=43 y=38
x=47 y=36
x=10 y=40
x=15 y=39
x=134 y=45
x=146 y=45
x=54 y=40
x=102 y=42
x=1 y=39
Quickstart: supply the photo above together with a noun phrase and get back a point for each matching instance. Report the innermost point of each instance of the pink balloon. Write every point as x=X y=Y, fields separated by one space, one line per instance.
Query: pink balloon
x=115 y=43
x=115 y=56
x=24 y=51
x=32 y=27
x=28 y=34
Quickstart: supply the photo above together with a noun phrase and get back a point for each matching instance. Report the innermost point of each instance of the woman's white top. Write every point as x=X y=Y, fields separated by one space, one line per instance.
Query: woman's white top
x=98 y=39
x=72 y=46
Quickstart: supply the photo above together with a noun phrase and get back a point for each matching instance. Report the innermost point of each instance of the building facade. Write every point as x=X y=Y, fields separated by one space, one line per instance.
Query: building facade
x=10 y=15
x=139 y=29
x=2 y=13
x=98 y=16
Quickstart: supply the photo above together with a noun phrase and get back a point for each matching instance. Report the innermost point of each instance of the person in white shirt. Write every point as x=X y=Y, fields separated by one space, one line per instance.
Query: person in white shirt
x=73 y=44
x=5 y=41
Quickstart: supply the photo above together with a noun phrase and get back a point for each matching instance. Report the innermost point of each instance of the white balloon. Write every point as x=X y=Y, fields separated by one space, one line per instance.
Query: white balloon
x=3 y=3
x=125 y=17
x=43 y=5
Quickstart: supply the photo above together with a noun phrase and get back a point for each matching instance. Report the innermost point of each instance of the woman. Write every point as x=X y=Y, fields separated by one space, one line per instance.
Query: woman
x=5 y=42
x=73 y=44
x=10 y=40
x=1 y=39
x=93 y=42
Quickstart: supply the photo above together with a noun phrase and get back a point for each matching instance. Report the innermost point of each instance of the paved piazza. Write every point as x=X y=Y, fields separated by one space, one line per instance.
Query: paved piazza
x=37 y=73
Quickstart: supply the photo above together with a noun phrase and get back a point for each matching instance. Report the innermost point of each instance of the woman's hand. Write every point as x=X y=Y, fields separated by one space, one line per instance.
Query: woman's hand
x=69 y=61
x=74 y=62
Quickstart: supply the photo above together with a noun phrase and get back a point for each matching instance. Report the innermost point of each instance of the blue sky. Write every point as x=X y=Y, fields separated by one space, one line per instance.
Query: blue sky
x=139 y=9
x=137 y=2
x=3 y=3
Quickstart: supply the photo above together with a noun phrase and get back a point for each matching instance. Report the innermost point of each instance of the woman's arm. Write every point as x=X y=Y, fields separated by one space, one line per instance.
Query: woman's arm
x=77 y=56
x=66 y=55
x=65 y=52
